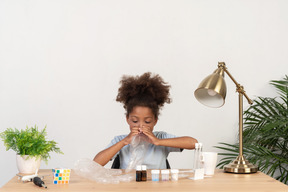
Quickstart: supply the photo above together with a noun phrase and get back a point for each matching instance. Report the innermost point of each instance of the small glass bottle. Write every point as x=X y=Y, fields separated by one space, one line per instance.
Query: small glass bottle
x=201 y=160
x=155 y=174
x=196 y=156
x=165 y=175
x=174 y=174
x=144 y=173
x=138 y=173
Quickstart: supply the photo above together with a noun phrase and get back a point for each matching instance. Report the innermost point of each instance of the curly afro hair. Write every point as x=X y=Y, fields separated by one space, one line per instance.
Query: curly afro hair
x=146 y=90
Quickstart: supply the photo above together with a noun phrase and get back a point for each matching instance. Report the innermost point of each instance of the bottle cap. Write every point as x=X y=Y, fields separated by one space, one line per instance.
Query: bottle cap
x=200 y=145
x=144 y=167
x=165 y=171
x=155 y=171
x=138 y=168
x=174 y=170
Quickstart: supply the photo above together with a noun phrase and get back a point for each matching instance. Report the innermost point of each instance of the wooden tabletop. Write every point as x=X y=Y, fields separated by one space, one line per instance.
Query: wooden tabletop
x=219 y=182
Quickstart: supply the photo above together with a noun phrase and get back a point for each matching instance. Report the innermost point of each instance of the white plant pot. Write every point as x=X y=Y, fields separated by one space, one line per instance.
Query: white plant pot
x=27 y=165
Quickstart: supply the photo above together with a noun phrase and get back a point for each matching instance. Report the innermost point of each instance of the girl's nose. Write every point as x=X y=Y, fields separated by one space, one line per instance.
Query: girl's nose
x=137 y=125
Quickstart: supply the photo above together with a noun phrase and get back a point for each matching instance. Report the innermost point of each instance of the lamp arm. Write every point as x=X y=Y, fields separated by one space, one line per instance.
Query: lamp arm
x=239 y=88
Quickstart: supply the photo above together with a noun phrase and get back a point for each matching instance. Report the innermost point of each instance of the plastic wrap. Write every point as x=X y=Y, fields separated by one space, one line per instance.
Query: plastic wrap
x=93 y=171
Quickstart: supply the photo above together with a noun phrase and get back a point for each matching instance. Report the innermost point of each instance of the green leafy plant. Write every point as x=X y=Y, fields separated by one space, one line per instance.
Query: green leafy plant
x=30 y=142
x=265 y=134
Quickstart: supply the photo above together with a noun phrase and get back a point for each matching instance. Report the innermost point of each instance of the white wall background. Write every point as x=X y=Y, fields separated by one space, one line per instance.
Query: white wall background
x=61 y=62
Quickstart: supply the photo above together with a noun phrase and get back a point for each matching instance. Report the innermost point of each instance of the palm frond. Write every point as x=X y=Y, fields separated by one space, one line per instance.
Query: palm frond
x=281 y=86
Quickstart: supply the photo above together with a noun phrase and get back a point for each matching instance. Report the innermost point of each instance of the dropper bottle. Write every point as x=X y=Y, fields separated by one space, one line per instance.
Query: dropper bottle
x=144 y=173
x=138 y=173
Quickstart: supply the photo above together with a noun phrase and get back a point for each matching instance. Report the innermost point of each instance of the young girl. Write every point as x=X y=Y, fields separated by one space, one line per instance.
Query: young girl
x=143 y=96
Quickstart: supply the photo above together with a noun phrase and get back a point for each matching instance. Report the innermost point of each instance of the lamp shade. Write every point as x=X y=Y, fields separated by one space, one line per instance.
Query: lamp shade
x=212 y=90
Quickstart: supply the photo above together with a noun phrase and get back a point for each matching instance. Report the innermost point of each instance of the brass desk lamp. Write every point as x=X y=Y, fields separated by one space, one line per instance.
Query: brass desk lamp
x=212 y=92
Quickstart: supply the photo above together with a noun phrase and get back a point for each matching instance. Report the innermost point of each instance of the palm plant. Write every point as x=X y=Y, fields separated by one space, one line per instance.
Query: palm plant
x=265 y=134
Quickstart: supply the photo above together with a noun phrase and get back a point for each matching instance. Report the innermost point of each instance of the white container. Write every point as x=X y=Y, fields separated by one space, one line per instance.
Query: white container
x=174 y=174
x=165 y=175
x=210 y=160
x=155 y=174
x=27 y=165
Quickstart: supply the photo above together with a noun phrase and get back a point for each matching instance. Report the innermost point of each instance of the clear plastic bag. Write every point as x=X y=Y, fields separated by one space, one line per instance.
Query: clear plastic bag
x=93 y=171
x=138 y=149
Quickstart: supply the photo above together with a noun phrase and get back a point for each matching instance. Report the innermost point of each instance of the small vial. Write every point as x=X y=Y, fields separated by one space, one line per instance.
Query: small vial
x=174 y=174
x=155 y=174
x=196 y=156
x=138 y=173
x=165 y=174
x=201 y=161
x=144 y=173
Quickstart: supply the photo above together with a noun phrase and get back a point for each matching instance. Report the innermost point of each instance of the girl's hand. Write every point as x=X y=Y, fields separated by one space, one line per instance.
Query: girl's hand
x=133 y=131
x=151 y=137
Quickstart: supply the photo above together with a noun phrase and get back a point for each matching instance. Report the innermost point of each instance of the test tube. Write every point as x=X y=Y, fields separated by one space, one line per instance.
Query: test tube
x=196 y=156
x=201 y=162
x=155 y=174
x=165 y=175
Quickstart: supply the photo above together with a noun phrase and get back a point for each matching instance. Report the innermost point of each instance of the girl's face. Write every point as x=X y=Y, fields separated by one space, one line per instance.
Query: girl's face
x=141 y=117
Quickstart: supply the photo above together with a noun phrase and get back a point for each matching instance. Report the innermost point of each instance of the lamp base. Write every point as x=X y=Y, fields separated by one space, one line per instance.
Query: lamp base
x=240 y=165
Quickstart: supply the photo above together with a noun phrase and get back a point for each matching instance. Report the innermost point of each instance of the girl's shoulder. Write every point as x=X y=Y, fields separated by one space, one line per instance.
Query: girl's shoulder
x=163 y=135
x=118 y=138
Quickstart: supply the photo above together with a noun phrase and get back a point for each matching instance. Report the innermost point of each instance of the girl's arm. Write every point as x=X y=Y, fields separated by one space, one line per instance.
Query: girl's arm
x=178 y=142
x=103 y=157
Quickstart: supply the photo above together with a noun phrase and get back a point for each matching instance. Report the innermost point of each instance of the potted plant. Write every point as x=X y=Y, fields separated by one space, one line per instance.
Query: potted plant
x=30 y=145
x=265 y=134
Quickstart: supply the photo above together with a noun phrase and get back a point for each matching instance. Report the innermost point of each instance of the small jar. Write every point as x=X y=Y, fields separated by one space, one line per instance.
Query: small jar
x=165 y=175
x=138 y=173
x=155 y=175
x=144 y=173
x=174 y=174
